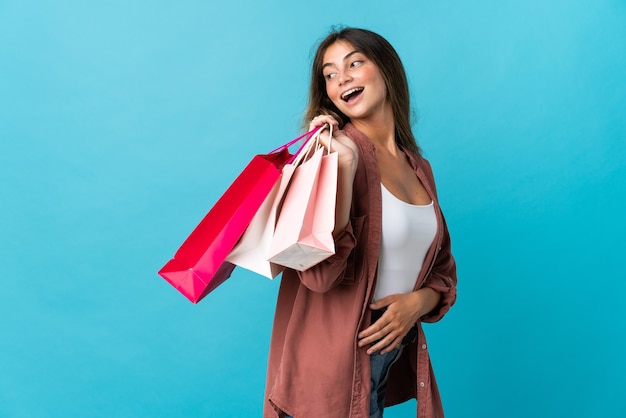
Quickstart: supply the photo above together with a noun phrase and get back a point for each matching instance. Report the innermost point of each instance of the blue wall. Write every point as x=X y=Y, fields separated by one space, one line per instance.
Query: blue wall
x=122 y=122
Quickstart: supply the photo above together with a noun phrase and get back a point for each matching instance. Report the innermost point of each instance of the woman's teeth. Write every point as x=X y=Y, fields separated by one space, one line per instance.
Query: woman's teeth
x=351 y=93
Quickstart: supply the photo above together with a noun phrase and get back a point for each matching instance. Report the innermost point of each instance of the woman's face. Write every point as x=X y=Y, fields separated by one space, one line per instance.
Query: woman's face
x=353 y=82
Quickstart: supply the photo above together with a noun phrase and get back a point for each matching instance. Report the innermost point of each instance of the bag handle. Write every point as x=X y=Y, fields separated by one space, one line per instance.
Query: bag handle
x=293 y=141
x=312 y=143
x=330 y=138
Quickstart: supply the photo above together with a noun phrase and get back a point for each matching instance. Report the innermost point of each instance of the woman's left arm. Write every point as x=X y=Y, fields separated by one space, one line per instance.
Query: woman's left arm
x=442 y=276
x=442 y=279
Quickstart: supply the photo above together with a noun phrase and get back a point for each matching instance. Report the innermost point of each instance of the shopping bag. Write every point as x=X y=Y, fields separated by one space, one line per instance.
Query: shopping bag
x=199 y=265
x=252 y=250
x=304 y=230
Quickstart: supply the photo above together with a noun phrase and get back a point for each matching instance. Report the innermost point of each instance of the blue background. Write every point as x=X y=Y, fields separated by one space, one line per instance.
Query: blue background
x=122 y=122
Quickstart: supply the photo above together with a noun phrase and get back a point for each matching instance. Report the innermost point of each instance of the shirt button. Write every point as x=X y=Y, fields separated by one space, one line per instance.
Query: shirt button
x=423 y=346
x=421 y=384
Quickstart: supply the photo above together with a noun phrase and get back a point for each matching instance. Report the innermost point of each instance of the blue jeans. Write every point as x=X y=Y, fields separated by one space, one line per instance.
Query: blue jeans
x=379 y=365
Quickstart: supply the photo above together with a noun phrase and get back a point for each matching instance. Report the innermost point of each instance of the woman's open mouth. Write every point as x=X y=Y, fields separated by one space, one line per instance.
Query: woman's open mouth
x=351 y=94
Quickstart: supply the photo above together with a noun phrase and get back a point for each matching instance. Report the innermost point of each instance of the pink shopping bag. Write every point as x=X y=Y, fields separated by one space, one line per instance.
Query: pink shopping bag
x=252 y=251
x=304 y=231
x=199 y=265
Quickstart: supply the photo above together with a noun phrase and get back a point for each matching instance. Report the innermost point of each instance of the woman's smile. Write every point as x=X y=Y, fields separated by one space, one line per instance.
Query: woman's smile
x=351 y=95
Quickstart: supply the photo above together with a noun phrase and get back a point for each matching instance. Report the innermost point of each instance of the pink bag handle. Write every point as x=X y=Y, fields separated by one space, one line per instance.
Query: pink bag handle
x=313 y=143
x=309 y=134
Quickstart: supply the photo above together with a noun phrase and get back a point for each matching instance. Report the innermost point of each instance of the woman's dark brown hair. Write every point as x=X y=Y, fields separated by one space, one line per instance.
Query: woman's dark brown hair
x=377 y=49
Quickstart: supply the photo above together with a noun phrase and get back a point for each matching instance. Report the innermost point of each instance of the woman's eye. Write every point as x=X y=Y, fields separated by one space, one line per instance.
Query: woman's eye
x=329 y=76
x=356 y=63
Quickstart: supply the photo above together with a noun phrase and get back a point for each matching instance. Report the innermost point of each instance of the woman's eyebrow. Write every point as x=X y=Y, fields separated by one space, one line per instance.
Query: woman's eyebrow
x=348 y=55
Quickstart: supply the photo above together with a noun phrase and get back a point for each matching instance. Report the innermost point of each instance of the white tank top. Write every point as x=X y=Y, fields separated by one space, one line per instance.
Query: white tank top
x=408 y=232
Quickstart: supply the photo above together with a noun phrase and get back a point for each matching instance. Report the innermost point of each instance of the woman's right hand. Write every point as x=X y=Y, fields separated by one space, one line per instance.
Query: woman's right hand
x=347 y=151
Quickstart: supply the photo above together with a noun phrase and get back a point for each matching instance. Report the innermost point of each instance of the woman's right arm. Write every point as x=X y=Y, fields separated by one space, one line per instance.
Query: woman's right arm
x=348 y=158
x=325 y=275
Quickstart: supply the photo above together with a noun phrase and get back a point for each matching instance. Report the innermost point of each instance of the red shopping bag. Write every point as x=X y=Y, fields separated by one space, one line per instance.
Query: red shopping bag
x=198 y=266
x=304 y=230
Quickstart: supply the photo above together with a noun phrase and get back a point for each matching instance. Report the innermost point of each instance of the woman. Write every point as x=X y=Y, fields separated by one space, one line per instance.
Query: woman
x=347 y=337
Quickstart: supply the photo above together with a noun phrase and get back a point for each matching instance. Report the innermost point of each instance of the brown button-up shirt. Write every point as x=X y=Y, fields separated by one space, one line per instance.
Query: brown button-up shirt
x=315 y=368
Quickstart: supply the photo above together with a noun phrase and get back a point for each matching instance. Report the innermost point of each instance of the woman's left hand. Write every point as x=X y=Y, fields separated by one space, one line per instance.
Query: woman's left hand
x=403 y=311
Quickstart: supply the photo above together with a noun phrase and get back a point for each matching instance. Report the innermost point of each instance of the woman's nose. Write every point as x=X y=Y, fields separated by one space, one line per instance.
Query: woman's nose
x=344 y=77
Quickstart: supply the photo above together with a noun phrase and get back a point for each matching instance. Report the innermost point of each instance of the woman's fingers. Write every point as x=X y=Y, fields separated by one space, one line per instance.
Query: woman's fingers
x=385 y=345
x=382 y=338
x=388 y=331
x=345 y=148
x=322 y=120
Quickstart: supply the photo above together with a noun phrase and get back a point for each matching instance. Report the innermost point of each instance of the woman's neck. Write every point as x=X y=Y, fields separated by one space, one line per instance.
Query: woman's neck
x=379 y=128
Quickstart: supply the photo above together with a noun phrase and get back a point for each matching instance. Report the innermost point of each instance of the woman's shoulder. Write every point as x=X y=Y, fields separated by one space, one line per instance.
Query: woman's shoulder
x=354 y=134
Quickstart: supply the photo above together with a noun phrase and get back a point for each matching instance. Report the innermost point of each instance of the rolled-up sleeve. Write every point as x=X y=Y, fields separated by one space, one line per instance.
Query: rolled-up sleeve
x=327 y=274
